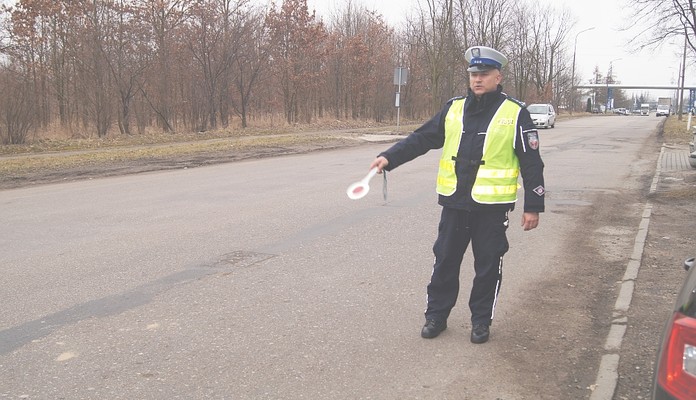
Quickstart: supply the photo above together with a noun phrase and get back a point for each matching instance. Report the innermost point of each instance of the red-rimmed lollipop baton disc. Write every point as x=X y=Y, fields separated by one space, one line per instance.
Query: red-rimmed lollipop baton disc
x=359 y=189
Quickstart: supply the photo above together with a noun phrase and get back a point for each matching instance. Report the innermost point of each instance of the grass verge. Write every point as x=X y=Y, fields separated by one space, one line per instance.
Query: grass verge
x=677 y=132
x=86 y=156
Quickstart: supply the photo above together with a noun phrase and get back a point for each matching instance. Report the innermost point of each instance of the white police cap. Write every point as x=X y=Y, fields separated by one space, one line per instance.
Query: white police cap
x=482 y=58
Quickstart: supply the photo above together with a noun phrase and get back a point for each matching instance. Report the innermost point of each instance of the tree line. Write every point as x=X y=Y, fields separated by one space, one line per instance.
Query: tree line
x=108 y=67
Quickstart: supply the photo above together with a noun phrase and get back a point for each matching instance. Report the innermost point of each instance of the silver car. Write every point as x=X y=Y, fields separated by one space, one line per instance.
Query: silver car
x=543 y=115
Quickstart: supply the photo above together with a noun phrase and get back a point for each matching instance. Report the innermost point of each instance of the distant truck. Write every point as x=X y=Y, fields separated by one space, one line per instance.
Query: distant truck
x=664 y=106
x=645 y=109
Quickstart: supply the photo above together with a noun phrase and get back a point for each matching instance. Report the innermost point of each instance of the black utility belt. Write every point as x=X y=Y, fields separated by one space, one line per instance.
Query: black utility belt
x=469 y=162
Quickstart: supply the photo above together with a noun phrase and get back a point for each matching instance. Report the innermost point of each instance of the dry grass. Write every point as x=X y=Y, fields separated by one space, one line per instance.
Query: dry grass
x=84 y=155
x=62 y=142
x=676 y=131
x=685 y=193
x=56 y=153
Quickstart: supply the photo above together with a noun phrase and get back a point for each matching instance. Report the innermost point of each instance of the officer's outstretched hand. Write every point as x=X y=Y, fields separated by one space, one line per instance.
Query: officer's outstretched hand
x=530 y=220
x=379 y=162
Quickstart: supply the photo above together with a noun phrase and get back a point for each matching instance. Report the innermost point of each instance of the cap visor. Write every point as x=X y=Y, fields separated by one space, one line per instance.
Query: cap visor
x=481 y=68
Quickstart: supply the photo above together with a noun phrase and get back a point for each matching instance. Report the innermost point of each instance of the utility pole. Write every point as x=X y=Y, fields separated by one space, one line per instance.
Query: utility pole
x=572 y=75
x=680 y=100
x=610 y=79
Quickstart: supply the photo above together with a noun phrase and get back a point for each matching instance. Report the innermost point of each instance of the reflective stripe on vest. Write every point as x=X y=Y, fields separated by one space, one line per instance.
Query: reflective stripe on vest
x=447 y=176
x=496 y=180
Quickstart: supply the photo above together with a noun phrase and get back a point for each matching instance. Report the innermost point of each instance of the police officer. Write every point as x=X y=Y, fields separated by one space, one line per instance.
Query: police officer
x=487 y=140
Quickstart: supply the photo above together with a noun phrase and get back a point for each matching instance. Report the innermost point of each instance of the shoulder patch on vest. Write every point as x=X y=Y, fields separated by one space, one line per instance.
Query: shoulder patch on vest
x=533 y=140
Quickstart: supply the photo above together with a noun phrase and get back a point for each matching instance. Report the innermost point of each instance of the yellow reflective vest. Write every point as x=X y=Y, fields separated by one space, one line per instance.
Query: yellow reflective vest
x=496 y=179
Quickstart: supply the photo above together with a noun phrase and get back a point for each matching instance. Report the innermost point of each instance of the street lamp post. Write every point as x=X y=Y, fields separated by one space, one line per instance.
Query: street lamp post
x=609 y=76
x=572 y=77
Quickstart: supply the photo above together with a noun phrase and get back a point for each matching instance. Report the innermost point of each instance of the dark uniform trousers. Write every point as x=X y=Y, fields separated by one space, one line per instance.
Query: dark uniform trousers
x=485 y=229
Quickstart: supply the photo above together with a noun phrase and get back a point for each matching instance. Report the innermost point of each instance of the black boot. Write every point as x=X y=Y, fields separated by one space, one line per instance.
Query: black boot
x=480 y=333
x=432 y=328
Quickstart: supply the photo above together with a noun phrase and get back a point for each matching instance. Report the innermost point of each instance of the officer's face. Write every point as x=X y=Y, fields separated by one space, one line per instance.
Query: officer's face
x=484 y=81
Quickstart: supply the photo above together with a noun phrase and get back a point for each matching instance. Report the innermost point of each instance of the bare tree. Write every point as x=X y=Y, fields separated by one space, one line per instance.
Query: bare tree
x=520 y=51
x=435 y=33
x=33 y=25
x=17 y=111
x=488 y=23
x=549 y=32
x=298 y=49
x=93 y=68
x=360 y=64
x=214 y=40
x=126 y=55
x=662 y=21
x=164 y=17
x=447 y=29
x=250 y=60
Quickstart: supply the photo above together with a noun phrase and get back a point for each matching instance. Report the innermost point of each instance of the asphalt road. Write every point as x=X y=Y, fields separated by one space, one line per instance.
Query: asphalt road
x=262 y=280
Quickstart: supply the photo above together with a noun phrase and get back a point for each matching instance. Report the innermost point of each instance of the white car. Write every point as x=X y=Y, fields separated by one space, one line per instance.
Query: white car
x=543 y=115
x=662 y=110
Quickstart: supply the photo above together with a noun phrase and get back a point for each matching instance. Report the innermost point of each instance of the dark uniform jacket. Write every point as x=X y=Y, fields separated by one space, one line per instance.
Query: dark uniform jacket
x=477 y=117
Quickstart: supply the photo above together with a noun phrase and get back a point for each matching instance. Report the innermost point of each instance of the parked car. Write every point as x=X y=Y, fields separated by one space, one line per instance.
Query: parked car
x=543 y=115
x=675 y=369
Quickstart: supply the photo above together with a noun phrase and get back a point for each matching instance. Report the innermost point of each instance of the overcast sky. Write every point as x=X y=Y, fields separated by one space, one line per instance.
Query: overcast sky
x=599 y=47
